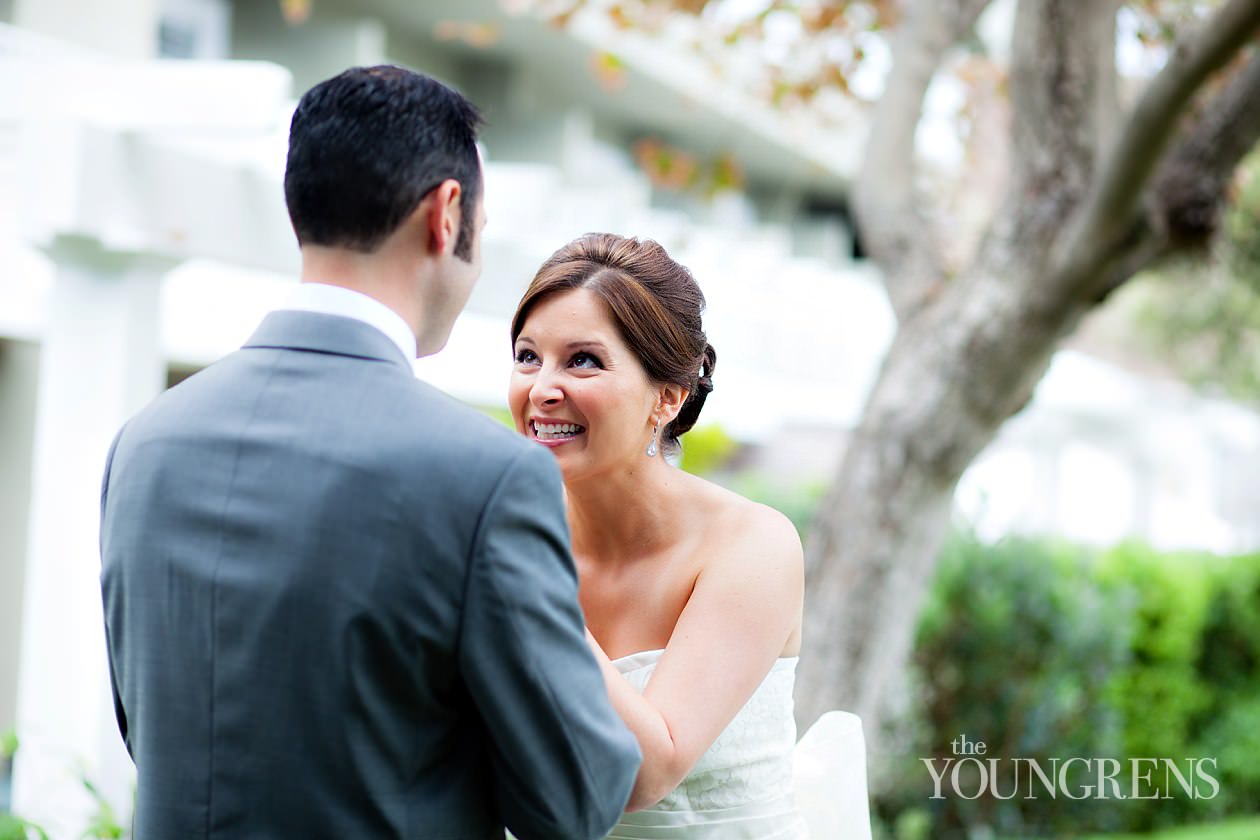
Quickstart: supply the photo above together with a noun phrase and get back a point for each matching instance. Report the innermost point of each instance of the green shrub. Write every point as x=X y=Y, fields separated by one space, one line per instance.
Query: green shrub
x=1014 y=648
x=1046 y=650
x=1229 y=662
x=1159 y=692
x=706 y=448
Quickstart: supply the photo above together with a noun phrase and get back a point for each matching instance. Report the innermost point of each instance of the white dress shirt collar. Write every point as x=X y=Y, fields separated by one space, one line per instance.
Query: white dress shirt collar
x=336 y=300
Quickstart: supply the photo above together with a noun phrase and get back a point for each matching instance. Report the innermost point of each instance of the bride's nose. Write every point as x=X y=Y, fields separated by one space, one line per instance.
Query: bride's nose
x=545 y=392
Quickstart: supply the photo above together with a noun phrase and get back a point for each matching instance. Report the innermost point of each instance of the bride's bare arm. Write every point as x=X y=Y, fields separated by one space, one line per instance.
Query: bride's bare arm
x=745 y=606
x=649 y=727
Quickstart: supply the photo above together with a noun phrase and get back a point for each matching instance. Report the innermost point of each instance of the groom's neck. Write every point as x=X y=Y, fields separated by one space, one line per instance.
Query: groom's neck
x=389 y=278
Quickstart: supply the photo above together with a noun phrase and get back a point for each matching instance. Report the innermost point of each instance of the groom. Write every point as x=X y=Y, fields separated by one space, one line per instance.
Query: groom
x=339 y=604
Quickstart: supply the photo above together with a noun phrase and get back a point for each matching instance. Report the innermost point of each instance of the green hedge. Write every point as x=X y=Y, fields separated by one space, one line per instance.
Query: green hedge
x=1045 y=650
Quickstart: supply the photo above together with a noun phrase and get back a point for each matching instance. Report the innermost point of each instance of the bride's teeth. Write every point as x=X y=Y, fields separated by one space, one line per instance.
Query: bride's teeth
x=547 y=431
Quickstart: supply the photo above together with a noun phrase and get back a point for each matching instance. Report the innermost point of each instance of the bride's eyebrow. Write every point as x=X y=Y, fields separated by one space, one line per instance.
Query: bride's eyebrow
x=596 y=346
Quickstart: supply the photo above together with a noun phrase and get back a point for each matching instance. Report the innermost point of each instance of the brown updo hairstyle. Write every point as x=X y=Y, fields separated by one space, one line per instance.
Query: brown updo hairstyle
x=654 y=302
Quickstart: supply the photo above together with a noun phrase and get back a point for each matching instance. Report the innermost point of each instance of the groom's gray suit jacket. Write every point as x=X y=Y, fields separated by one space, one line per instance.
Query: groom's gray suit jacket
x=339 y=604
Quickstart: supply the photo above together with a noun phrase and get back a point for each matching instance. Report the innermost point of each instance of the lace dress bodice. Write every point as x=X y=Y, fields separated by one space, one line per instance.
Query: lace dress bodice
x=742 y=786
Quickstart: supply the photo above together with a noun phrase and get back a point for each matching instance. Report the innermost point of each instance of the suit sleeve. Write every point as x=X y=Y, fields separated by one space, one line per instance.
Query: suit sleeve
x=119 y=712
x=564 y=763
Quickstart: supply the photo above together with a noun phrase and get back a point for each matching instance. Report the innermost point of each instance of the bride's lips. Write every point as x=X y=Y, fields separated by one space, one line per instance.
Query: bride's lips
x=554 y=432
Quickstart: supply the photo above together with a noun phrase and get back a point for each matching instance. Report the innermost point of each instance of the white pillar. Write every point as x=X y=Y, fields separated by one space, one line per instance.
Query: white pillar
x=100 y=362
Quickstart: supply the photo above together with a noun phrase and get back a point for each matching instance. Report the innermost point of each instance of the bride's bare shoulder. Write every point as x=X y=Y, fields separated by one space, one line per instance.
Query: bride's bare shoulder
x=752 y=560
x=734 y=522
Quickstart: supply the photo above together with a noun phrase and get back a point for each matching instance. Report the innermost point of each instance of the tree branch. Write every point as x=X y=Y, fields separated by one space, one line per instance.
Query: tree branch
x=1187 y=190
x=886 y=204
x=1108 y=211
x=1062 y=64
x=1143 y=249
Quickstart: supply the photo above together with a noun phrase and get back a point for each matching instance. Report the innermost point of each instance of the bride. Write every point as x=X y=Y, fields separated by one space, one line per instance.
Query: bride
x=692 y=594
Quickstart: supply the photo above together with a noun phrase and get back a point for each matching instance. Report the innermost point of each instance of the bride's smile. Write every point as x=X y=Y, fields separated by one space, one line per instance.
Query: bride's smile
x=552 y=432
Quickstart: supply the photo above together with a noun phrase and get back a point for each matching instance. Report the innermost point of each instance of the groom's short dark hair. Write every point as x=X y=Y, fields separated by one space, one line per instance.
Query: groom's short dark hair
x=366 y=146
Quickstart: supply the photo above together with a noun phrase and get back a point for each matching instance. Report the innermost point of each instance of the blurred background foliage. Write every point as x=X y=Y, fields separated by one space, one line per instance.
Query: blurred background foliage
x=706 y=449
x=12 y=827
x=1043 y=649
x=103 y=824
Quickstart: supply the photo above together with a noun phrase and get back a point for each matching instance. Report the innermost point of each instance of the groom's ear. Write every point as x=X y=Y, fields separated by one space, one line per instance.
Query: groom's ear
x=439 y=213
x=671 y=400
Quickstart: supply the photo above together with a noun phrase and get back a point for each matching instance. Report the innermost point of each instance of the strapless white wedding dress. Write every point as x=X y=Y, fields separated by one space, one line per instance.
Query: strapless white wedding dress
x=756 y=782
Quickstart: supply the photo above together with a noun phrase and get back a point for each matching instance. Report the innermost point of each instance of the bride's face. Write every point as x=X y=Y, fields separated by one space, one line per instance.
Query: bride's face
x=577 y=387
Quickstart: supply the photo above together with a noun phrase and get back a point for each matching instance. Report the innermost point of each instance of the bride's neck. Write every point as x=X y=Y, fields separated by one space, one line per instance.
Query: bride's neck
x=622 y=518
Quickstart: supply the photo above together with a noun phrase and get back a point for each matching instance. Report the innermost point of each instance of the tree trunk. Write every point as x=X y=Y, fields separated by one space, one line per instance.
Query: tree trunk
x=949 y=381
x=965 y=359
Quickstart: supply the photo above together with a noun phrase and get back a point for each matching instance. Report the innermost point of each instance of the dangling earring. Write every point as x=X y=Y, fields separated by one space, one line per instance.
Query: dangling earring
x=651 y=450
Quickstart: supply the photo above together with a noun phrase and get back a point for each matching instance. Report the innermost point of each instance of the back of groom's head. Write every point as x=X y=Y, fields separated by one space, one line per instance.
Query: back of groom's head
x=366 y=146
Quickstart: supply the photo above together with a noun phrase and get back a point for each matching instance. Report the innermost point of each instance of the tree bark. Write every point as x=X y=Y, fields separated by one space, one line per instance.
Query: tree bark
x=968 y=358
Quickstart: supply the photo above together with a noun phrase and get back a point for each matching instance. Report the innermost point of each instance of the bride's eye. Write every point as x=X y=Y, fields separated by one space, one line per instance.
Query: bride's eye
x=586 y=360
x=525 y=356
